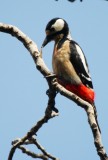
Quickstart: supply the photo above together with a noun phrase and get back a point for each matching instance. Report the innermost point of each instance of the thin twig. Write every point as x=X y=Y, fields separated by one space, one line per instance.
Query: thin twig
x=32 y=154
x=49 y=113
x=40 y=147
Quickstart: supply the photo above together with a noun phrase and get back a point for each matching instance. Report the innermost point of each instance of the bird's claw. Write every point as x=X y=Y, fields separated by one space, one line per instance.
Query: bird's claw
x=51 y=76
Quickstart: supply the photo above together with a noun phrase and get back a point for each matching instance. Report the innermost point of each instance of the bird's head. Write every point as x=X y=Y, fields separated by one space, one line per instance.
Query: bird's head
x=56 y=29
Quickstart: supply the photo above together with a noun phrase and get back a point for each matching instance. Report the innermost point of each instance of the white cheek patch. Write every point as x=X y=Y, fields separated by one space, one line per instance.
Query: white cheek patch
x=58 y=25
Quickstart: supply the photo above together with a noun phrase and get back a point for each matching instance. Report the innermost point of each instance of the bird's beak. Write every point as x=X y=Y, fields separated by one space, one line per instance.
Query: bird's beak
x=45 y=42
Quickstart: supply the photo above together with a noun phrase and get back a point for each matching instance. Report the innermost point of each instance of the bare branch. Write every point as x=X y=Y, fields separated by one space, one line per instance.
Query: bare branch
x=50 y=112
x=29 y=44
x=42 y=149
x=32 y=154
x=53 y=87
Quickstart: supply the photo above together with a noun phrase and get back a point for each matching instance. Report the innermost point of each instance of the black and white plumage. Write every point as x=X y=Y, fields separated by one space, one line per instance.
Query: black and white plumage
x=80 y=64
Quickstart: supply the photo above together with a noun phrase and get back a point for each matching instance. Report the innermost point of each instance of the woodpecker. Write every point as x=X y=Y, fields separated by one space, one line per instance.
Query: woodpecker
x=69 y=62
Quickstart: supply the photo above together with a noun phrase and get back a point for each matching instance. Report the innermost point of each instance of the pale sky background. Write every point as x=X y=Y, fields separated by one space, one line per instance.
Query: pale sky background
x=22 y=87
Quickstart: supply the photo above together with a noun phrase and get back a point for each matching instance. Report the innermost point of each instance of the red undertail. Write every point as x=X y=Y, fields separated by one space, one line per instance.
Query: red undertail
x=81 y=90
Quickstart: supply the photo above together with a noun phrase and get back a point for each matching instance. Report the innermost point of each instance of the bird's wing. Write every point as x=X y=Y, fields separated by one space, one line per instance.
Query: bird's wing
x=79 y=63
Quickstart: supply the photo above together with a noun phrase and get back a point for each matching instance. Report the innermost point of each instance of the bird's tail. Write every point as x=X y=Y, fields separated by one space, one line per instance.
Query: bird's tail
x=95 y=113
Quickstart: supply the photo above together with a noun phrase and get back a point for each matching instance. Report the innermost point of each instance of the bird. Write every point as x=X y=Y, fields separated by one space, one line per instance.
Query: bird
x=69 y=62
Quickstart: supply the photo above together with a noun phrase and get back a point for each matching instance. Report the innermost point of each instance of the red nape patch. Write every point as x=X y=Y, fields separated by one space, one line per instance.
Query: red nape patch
x=82 y=91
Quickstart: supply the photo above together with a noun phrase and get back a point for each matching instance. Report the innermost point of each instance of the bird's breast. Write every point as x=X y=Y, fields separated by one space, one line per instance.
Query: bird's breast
x=62 y=65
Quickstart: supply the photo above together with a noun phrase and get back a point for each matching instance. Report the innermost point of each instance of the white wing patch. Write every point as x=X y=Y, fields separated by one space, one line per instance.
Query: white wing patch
x=87 y=78
x=58 y=25
x=82 y=58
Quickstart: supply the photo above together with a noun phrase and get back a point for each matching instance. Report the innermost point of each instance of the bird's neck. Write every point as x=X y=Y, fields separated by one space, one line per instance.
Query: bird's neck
x=62 y=37
x=69 y=36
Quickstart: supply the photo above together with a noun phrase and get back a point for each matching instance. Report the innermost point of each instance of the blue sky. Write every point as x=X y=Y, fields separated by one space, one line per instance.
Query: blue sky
x=22 y=87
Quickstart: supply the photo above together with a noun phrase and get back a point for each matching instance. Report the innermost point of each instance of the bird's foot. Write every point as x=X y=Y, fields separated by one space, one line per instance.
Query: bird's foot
x=51 y=76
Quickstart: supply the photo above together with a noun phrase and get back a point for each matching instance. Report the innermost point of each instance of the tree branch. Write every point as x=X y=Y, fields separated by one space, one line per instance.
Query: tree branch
x=32 y=154
x=42 y=149
x=50 y=112
x=54 y=87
